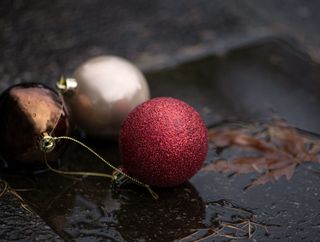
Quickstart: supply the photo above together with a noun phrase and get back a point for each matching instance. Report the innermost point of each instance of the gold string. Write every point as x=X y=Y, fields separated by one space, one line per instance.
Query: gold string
x=48 y=137
x=74 y=173
x=52 y=139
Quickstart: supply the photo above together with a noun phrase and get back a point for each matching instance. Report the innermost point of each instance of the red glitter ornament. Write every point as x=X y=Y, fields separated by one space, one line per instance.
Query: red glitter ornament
x=163 y=142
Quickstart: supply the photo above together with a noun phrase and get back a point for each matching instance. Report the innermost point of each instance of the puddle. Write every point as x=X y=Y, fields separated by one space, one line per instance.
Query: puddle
x=252 y=83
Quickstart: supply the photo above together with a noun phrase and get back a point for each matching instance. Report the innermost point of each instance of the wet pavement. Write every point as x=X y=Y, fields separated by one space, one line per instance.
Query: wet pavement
x=19 y=223
x=255 y=82
x=235 y=63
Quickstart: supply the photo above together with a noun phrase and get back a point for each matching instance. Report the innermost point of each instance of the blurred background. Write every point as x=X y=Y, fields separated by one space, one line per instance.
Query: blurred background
x=40 y=40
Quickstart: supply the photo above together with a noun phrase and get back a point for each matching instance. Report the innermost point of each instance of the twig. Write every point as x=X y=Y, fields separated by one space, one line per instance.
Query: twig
x=215 y=234
x=4 y=189
x=238 y=230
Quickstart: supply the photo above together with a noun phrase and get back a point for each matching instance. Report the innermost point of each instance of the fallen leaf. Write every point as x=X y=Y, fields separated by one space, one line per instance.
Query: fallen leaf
x=280 y=148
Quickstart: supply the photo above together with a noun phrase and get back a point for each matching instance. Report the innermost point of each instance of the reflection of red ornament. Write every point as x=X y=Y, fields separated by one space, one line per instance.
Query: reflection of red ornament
x=163 y=142
x=28 y=111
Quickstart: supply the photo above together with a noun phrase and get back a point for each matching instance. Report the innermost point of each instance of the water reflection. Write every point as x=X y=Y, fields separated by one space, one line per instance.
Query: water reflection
x=98 y=214
x=178 y=211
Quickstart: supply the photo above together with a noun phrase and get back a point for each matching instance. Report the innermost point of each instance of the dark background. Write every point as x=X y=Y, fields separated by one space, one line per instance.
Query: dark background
x=40 y=40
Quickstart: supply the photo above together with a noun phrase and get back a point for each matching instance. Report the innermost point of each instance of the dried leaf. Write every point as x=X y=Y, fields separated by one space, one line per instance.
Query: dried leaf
x=280 y=147
x=273 y=176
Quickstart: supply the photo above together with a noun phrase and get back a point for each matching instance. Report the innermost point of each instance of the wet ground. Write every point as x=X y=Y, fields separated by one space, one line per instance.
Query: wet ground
x=235 y=62
x=255 y=82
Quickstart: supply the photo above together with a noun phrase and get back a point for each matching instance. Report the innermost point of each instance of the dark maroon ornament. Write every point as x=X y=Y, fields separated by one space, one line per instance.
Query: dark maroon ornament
x=27 y=112
x=163 y=142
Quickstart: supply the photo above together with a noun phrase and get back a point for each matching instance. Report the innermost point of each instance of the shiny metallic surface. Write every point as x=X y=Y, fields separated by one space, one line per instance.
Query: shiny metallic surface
x=108 y=89
x=27 y=112
x=67 y=85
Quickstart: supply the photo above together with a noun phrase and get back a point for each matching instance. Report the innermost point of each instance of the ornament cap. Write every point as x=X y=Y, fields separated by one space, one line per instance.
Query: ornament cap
x=119 y=178
x=67 y=85
x=47 y=143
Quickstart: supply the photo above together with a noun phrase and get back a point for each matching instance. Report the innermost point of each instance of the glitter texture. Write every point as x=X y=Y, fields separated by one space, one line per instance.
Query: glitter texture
x=163 y=142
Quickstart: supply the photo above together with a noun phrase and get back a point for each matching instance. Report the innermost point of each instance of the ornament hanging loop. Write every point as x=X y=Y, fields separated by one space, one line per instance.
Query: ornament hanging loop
x=47 y=143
